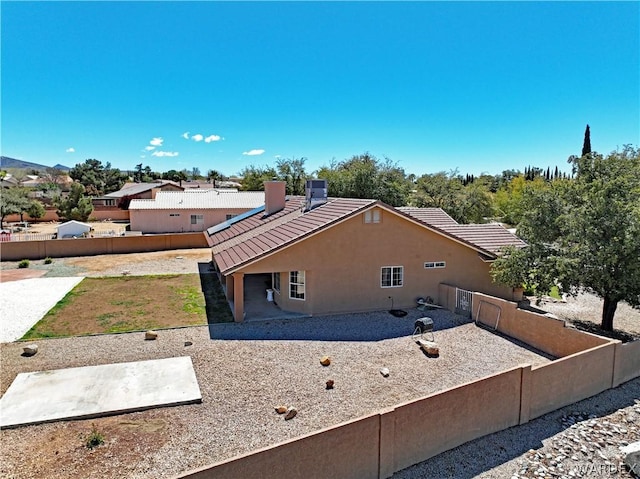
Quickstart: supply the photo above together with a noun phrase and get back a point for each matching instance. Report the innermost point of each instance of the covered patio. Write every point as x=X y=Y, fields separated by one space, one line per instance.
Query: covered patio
x=252 y=291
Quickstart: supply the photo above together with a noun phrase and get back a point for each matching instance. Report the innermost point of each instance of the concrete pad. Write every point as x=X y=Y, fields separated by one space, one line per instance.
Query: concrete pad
x=94 y=391
x=24 y=303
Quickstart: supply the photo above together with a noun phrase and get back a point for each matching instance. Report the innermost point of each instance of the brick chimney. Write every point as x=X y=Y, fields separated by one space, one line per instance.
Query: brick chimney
x=274 y=195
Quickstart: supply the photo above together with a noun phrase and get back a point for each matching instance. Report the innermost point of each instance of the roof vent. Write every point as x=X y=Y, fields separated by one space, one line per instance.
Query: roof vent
x=316 y=193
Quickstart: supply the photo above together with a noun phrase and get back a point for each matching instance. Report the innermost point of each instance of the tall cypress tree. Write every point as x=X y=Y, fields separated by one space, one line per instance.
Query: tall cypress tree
x=586 y=146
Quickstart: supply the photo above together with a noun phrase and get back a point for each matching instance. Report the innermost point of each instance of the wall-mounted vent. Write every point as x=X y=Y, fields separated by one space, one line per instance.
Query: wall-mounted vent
x=316 y=193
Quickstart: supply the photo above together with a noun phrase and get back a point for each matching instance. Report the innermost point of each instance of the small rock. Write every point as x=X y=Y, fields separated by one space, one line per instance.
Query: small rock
x=325 y=360
x=385 y=372
x=150 y=335
x=30 y=349
x=291 y=413
x=632 y=455
x=188 y=343
x=330 y=384
x=281 y=409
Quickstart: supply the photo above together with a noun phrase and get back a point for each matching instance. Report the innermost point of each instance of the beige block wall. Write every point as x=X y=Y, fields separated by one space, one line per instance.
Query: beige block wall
x=627 y=362
x=546 y=334
x=348 y=451
x=571 y=379
x=17 y=250
x=432 y=425
x=343 y=266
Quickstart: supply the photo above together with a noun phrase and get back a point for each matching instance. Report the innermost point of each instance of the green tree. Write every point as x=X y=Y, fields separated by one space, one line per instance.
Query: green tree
x=291 y=170
x=98 y=179
x=585 y=233
x=253 y=177
x=76 y=206
x=214 y=176
x=36 y=210
x=13 y=201
x=586 y=144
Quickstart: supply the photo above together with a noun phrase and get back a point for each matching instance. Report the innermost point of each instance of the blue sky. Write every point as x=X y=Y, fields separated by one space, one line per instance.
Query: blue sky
x=433 y=86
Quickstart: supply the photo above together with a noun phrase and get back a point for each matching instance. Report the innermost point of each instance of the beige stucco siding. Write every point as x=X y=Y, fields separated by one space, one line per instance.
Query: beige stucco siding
x=343 y=266
x=161 y=221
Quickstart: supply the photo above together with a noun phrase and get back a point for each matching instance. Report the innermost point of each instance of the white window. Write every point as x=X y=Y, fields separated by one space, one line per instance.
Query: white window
x=435 y=264
x=296 y=285
x=372 y=216
x=197 y=219
x=174 y=214
x=275 y=281
x=391 y=276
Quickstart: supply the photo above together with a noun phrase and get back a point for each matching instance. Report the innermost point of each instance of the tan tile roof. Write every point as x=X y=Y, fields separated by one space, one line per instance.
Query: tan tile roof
x=431 y=216
x=490 y=237
x=257 y=235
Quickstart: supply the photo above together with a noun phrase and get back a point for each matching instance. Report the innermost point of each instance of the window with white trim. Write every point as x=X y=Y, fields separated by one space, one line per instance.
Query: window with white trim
x=296 y=285
x=372 y=216
x=435 y=265
x=197 y=219
x=391 y=276
x=275 y=281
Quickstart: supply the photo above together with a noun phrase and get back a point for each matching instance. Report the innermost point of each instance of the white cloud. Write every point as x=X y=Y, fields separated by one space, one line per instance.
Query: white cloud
x=197 y=137
x=211 y=138
x=143 y=156
x=149 y=148
x=185 y=135
x=156 y=142
x=253 y=152
x=71 y=150
x=164 y=153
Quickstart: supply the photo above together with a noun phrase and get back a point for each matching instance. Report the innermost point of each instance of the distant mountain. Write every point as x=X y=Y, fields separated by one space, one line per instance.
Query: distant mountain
x=6 y=162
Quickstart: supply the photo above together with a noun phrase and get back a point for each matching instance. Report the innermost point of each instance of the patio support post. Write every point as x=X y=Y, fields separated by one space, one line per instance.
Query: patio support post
x=229 y=283
x=238 y=297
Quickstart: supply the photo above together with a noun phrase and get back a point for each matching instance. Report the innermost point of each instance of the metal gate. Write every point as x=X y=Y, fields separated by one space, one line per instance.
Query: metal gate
x=463 y=302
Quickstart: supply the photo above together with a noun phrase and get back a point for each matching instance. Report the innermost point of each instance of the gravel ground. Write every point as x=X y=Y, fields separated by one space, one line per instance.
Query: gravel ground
x=249 y=369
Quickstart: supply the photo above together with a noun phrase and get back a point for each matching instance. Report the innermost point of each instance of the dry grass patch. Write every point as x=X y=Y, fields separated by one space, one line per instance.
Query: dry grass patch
x=117 y=304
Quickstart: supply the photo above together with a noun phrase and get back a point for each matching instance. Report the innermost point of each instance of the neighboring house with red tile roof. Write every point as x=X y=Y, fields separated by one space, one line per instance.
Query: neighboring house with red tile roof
x=190 y=210
x=349 y=255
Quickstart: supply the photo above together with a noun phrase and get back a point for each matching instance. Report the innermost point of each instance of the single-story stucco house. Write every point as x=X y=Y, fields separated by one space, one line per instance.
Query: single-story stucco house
x=190 y=210
x=339 y=255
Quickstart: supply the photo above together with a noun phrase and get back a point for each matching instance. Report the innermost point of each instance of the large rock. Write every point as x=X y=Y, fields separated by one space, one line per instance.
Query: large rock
x=325 y=360
x=429 y=347
x=632 y=457
x=150 y=335
x=30 y=349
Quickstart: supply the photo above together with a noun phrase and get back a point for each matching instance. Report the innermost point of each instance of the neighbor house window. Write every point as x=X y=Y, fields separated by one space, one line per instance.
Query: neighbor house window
x=372 y=216
x=174 y=214
x=197 y=219
x=275 y=281
x=110 y=202
x=296 y=285
x=391 y=276
x=230 y=216
x=435 y=264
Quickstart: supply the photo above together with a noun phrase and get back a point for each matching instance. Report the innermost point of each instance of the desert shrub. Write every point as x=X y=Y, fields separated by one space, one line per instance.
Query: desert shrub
x=48 y=261
x=94 y=439
x=23 y=264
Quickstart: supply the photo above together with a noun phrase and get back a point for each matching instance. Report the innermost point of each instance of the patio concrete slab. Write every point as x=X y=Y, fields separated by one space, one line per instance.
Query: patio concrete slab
x=94 y=391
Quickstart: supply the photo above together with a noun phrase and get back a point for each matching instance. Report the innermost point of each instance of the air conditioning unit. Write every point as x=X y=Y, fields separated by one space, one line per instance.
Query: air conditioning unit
x=316 y=193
